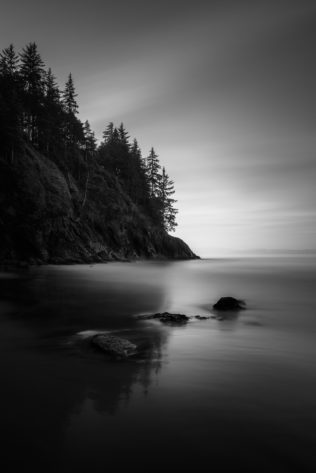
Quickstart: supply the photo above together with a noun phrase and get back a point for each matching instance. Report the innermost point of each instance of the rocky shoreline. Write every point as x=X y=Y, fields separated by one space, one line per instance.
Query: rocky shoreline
x=43 y=219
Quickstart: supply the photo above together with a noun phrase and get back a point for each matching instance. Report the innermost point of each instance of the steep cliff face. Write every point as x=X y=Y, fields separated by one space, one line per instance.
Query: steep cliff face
x=46 y=218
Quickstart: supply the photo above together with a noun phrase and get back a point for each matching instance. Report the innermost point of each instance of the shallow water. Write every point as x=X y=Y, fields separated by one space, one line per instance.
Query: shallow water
x=236 y=394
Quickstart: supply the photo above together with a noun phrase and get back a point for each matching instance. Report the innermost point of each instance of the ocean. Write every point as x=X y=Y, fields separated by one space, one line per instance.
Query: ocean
x=236 y=394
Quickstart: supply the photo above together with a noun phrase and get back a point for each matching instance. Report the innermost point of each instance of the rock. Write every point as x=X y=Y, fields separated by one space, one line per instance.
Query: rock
x=114 y=346
x=167 y=318
x=202 y=317
x=229 y=303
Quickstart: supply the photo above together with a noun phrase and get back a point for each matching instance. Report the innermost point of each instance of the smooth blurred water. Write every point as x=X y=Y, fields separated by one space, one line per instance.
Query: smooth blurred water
x=229 y=395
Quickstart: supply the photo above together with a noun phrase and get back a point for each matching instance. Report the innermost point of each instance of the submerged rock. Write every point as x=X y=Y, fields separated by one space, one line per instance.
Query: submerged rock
x=167 y=318
x=114 y=346
x=229 y=303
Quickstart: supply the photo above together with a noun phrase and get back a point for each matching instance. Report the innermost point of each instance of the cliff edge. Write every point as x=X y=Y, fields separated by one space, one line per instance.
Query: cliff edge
x=47 y=217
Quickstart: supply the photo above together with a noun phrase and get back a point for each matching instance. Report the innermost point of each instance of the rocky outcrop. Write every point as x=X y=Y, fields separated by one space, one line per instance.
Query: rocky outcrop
x=166 y=318
x=229 y=304
x=46 y=216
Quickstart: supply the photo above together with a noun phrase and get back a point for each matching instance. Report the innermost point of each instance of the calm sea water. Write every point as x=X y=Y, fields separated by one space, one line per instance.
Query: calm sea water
x=229 y=395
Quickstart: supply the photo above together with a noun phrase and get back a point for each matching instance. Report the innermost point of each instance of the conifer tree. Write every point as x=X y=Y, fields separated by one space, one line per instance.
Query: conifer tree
x=115 y=136
x=32 y=75
x=50 y=120
x=32 y=70
x=9 y=62
x=123 y=135
x=69 y=97
x=10 y=103
x=168 y=212
x=108 y=133
x=152 y=171
x=52 y=92
x=135 y=148
x=73 y=126
x=89 y=139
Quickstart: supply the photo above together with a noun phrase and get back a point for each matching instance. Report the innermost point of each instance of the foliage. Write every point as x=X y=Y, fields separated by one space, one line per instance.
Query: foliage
x=34 y=111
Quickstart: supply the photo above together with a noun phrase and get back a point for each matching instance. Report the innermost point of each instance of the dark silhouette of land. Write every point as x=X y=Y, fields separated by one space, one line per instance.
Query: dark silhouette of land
x=63 y=198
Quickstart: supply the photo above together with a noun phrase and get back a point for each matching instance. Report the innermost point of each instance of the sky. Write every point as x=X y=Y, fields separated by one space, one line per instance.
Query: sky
x=224 y=91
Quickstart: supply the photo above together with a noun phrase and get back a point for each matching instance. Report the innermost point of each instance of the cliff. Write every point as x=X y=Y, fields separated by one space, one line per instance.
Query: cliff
x=47 y=216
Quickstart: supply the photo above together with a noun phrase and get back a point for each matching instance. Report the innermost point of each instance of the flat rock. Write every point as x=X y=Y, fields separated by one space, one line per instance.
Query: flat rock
x=166 y=318
x=114 y=346
x=229 y=303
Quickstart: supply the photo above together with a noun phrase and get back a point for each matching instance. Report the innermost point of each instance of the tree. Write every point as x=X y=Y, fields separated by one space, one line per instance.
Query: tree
x=51 y=118
x=10 y=103
x=73 y=126
x=32 y=75
x=123 y=135
x=52 y=92
x=9 y=62
x=32 y=70
x=108 y=133
x=89 y=139
x=152 y=171
x=69 y=97
x=166 y=190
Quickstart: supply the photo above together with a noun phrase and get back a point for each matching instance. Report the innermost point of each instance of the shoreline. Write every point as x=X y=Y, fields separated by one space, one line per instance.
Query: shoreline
x=7 y=266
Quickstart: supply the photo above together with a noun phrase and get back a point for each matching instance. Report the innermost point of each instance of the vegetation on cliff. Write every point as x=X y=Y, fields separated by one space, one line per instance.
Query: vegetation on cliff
x=62 y=196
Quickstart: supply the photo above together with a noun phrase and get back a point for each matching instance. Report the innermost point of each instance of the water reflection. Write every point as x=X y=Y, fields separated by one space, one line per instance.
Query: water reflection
x=47 y=378
x=231 y=393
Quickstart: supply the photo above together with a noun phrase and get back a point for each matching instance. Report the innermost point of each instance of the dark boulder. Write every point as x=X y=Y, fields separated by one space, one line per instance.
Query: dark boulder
x=114 y=346
x=229 y=303
x=166 y=318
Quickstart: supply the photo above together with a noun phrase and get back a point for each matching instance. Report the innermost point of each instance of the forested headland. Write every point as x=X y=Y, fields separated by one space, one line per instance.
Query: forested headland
x=63 y=196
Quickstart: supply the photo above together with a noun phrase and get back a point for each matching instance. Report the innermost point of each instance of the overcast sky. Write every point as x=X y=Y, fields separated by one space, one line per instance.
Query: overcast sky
x=224 y=90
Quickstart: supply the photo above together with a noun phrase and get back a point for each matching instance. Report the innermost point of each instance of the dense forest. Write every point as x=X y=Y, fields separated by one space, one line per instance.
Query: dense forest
x=63 y=196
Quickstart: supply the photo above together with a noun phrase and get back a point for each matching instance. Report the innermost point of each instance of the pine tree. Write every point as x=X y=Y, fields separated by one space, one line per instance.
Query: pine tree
x=32 y=75
x=115 y=136
x=69 y=97
x=9 y=62
x=32 y=70
x=73 y=126
x=89 y=139
x=10 y=103
x=166 y=190
x=152 y=171
x=123 y=135
x=51 y=118
x=108 y=133
x=135 y=148
x=52 y=92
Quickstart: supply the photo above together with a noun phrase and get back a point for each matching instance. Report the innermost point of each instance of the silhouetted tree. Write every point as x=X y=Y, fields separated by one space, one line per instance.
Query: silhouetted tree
x=108 y=133
x=73 y=127
x=10 y=103
x=89 y=139
x=69 y=96
x=9 y=62
x=123 y=135
x=32 y=75
x=52 y=92
x=153 y=176
x=168 y=212
x=51 y=118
